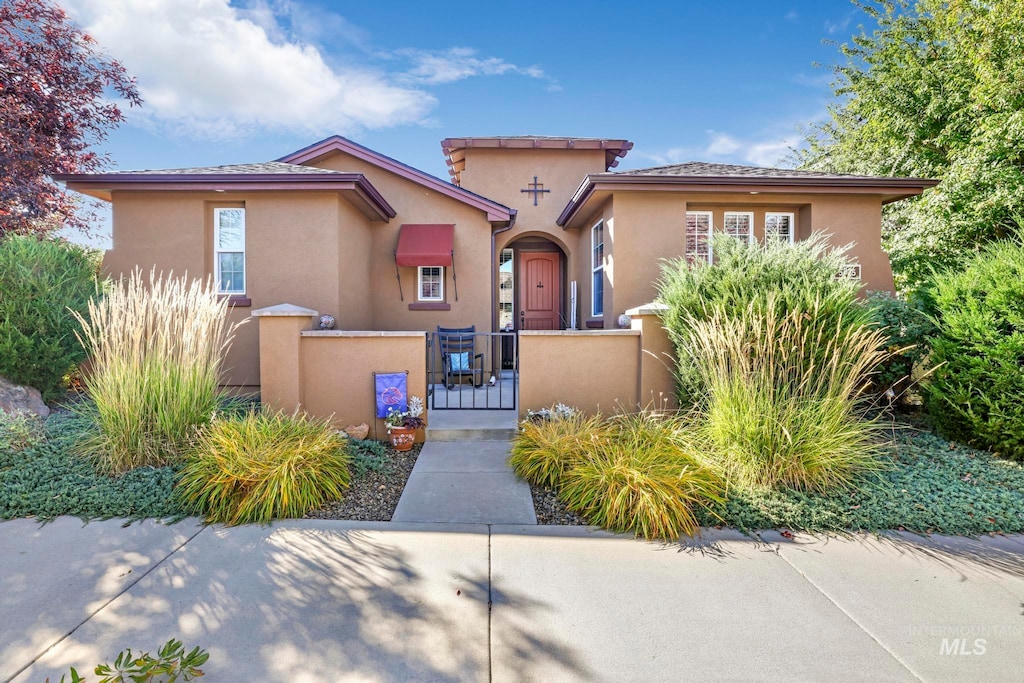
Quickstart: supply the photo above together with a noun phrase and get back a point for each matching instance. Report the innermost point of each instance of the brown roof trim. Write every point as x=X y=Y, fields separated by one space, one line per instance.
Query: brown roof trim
x=100 y=185
x=496 y=213
x=454 y=148
x=901 y=188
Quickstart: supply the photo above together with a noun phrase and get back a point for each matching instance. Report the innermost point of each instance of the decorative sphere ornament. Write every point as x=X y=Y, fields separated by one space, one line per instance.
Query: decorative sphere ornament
x=327 y=322
x=624 y=321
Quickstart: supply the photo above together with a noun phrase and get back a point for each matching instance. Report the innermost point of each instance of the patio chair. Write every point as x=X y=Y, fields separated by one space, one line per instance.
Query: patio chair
x=459 y=357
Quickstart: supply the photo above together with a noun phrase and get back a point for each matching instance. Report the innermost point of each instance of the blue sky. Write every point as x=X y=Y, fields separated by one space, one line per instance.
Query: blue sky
x=255 y=79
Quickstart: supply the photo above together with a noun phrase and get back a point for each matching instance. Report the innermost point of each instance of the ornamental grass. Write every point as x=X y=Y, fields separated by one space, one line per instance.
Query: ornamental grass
x=264 y=466
x=545 y=449
x=632 y=473
x=157 y=348
x=646 y=479
x=783 y=403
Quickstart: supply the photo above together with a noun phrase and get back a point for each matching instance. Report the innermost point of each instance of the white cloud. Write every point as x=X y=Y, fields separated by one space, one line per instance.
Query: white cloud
x=724 y=148
x=208 y=69
x=458 y=63
x=834 y=27
x=792 y=15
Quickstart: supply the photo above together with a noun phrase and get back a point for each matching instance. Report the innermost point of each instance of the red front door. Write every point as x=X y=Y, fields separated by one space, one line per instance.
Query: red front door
x=540 y=291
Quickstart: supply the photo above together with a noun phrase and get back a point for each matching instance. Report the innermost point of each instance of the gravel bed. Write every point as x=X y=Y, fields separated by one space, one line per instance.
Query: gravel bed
x=551 y=510
x=373 y=496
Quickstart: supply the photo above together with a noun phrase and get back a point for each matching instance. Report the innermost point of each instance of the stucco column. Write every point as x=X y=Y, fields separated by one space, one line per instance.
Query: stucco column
x=280 y=354
x=657 y=357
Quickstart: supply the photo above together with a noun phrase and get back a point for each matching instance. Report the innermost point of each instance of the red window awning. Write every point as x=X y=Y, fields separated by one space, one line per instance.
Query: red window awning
x=425 y=245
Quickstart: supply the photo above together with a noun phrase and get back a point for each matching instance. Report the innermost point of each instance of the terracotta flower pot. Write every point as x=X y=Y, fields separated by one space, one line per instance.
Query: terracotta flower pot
x=402 y=438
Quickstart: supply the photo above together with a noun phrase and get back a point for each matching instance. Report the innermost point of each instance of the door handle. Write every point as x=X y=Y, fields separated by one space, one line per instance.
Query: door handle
x=522 y=319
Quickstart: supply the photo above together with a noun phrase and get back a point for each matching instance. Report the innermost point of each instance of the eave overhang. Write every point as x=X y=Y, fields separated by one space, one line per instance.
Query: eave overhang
x=454 y=149
x=497 y=214
x=596 y=188
x=355 y=187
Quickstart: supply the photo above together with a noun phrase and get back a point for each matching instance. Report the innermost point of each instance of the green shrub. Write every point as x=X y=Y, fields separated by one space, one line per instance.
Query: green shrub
x=782 y=389
x=170 y=663
x=799 y=277
x=908 y=330
x=643 y=478
x=976 y=392
x=264 y=466
x=156 y=349
x=545 y=449
x=40 y=280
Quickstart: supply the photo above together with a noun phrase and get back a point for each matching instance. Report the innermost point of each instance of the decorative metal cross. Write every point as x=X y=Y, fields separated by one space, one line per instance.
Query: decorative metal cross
x=535 y=189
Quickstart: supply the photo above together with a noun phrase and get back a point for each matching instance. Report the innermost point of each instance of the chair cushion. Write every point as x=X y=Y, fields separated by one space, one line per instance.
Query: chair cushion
x=459 y=362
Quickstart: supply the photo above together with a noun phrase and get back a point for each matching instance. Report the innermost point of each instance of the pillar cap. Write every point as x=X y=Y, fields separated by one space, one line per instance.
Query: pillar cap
x=285 y=311
x=653 y=308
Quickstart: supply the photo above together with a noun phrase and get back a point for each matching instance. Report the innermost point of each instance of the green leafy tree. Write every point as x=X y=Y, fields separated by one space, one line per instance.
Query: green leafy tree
x=936 y=90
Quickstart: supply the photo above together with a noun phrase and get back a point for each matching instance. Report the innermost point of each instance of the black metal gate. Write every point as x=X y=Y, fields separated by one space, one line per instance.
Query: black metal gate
x=469 y=370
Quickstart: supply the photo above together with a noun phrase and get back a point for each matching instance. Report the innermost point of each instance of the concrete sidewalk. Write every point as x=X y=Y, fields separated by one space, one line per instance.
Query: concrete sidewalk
x=311 y=600
x=465 y=482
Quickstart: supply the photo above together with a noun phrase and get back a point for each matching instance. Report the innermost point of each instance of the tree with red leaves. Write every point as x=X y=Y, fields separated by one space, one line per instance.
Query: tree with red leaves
x=54 y=107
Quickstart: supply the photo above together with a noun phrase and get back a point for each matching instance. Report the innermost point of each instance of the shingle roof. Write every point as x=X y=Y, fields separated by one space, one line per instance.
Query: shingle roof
x=234 y=169
x=705 y=169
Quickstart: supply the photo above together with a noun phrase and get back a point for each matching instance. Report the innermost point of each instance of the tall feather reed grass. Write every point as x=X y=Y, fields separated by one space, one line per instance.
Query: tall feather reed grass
x=784 y=388
x=799 y=276
x=157 y=348
x=263 y=466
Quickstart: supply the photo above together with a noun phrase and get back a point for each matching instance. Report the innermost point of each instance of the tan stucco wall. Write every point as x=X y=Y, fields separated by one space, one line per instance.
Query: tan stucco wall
x=597 y=372
x=415 y=203
x=337 y=377
x=300 y=247
x=501 y=174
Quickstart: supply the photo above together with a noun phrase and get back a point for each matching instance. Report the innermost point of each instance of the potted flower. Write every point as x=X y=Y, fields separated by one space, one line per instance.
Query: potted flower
x=402 y=425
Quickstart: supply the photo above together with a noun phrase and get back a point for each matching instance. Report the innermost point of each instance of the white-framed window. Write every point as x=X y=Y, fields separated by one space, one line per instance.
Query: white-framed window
x=698 y=236
x=597 y=269
x=740 y=224
x=431 y=283
x=229 y=250
x=779 y=226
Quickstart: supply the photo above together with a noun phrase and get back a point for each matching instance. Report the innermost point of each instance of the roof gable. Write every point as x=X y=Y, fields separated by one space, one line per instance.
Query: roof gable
x=496 y=213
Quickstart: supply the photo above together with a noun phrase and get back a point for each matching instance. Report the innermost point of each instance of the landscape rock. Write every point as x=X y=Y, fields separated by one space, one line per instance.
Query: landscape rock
x=358 y=432
x=15 y=398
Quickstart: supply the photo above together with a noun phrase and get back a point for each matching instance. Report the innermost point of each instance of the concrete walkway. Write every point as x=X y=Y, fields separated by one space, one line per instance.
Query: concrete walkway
x=465 y=482
x=311 y=600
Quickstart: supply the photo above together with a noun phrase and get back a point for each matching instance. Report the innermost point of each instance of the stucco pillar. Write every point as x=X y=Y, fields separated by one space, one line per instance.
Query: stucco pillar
x=657 y=358
x=280 y=354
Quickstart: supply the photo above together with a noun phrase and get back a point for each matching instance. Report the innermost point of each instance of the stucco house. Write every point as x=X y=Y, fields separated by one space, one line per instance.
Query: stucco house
x=530 y=233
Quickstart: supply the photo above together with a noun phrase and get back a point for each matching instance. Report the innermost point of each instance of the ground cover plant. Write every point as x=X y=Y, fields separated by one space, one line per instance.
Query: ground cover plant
x=263 y=466
x=633 y=473
x=45 y=479
x=41 y=281
x=976 y=391
x=157 y=347
x=929 y=486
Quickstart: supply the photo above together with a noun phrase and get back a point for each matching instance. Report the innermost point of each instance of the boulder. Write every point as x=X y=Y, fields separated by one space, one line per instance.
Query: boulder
x=358 y=432
x=15 y=398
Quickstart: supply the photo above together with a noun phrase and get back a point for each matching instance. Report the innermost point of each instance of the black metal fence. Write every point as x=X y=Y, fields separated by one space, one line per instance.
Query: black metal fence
x=468 y=370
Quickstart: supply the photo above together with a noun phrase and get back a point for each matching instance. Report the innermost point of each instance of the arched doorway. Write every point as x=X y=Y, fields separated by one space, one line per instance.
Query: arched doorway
x=531 y=285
